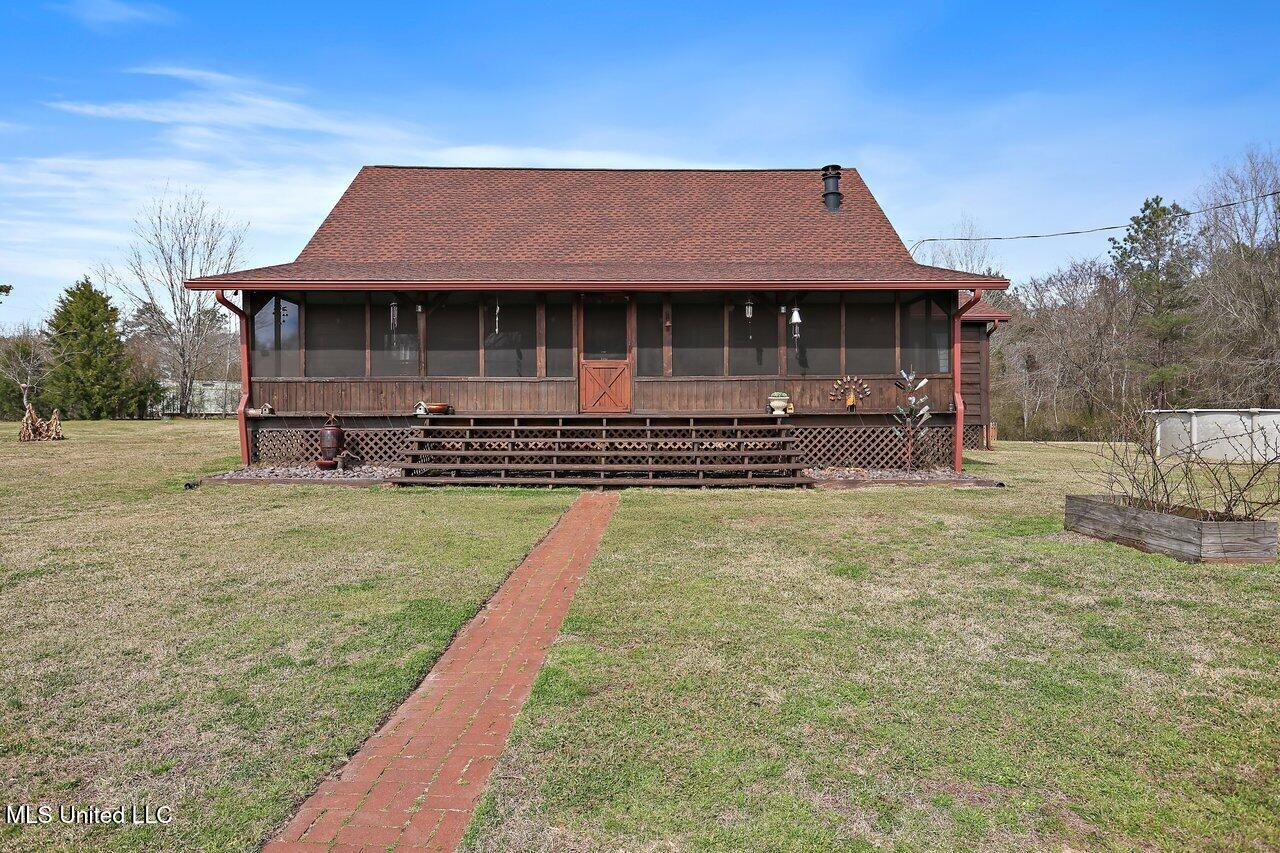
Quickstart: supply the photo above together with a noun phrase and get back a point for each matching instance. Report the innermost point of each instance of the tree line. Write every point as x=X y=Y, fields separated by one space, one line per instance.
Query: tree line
x=1182 y=312
x=96 y=356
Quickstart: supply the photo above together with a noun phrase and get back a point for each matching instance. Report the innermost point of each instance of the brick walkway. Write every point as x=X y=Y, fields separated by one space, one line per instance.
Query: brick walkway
x=415 y=783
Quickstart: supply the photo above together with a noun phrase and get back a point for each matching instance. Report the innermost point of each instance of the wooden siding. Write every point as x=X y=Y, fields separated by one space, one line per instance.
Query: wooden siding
x=751 y=394
x=398 y=396
x=651 y=395
x=974 y=379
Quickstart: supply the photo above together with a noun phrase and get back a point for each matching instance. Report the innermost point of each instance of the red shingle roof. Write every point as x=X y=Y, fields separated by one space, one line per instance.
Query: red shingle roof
x=986 y=312
x=458 y=225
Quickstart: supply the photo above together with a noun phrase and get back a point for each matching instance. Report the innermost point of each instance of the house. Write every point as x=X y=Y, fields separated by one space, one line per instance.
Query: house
x=591 y=324
x=976 y=327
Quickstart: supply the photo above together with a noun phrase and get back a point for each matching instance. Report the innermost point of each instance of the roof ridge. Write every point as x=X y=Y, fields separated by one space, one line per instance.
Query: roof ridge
x=801 y=169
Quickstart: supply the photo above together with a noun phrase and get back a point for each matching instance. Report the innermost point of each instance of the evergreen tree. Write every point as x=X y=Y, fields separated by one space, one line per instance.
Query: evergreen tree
x=1156 y=261
x=90 y=378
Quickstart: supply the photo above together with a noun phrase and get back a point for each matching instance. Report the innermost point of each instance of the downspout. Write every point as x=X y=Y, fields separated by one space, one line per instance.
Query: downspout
x=957 y=460
x=244 y=371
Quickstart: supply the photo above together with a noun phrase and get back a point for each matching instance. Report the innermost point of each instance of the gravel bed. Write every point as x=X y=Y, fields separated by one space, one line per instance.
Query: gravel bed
x=308 y=472
x=886 y=474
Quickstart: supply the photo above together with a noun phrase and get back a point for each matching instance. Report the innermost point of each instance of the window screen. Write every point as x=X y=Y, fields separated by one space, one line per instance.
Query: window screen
x=869 y=333
x=275 y=336
x=753 y=341
x=453 y=337
x=604 y=328
x=393 y=335
x=510 y=336
x=559 y=335
x=697 y=335
x=926 y=333
x=649 y=335
x=335 y=334
x=816 y=352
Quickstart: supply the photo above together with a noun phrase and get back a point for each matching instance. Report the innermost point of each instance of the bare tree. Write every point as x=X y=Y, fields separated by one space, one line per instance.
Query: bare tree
x=25 y=359
x=1239 y=290
x=968 y=253
x=178 y=236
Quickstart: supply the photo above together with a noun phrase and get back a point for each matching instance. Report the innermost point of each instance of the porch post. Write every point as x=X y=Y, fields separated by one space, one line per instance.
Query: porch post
x=957 y=454
x=244 y=371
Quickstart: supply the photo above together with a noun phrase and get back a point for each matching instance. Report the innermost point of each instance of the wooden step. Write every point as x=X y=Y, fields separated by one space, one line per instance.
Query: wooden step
x=606 y=482
x=777 y=439
x=699 y=454
x=597 y=428
x=618 y=418
x=692 y=468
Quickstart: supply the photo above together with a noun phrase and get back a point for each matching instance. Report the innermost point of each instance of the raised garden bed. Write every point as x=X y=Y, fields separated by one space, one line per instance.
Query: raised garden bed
x=1184 y=533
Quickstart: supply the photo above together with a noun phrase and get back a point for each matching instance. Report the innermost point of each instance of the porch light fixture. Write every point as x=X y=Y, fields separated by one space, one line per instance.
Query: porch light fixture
x=749 y=309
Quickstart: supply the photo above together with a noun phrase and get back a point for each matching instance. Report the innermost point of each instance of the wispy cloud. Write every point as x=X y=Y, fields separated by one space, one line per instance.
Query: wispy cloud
x=261 y=151
x=215 y=99
x=105 y=14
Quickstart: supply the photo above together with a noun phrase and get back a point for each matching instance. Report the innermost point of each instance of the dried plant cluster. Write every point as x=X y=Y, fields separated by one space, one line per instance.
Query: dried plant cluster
x=1189 y=481
x=36 y=428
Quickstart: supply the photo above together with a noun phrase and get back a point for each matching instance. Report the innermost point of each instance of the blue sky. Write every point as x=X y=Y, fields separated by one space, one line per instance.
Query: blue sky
x=1024 y=117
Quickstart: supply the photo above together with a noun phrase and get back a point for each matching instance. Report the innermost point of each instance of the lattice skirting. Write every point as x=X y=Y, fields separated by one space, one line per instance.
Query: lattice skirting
x=374 y=446
x=975 y=436
x=820 y=446
x=872 y=446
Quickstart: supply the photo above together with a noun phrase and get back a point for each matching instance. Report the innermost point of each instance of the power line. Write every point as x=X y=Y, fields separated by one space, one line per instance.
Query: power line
x=917 y=244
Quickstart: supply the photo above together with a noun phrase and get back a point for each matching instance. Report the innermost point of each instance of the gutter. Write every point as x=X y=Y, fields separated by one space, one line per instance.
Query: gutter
x=586 y=285
x=957 y=460
x=244 y=371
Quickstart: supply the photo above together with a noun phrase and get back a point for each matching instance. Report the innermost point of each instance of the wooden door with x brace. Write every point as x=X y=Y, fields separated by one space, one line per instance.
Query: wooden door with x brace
x=604 y=370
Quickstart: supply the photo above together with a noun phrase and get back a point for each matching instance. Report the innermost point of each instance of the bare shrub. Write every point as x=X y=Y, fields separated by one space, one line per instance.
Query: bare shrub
x=1188 y=481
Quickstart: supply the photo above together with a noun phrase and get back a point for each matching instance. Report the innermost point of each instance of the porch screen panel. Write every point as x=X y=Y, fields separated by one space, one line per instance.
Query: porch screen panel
x=453 y=337
x=753 y=342
x=649 y=335
x=869 y=333
x=511 y=336
x=816 y=352
x=559 y=336
x=275 y=337
x=604 y=328
x=393 y=333
x=926 y=333
x=335 y=334
x=697 y=335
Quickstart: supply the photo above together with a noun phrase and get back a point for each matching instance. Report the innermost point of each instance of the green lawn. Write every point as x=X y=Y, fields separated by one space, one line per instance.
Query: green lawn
x=216 y=650
x=914 y=668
